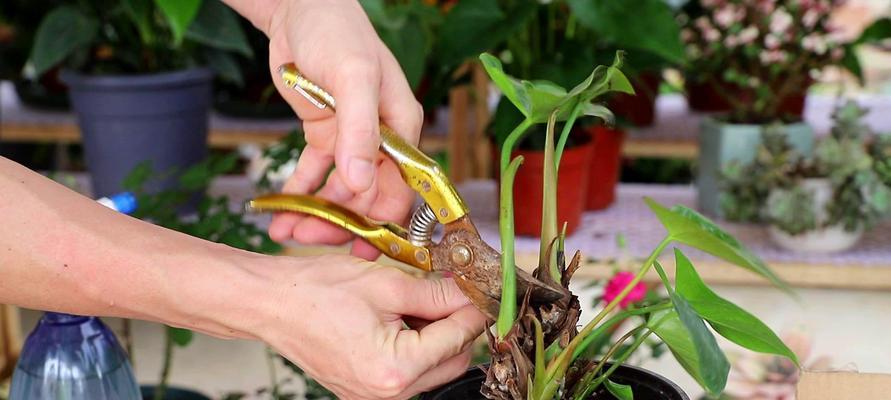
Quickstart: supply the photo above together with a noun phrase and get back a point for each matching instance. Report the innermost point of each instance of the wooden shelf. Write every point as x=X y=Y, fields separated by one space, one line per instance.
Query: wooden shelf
x=849 y=277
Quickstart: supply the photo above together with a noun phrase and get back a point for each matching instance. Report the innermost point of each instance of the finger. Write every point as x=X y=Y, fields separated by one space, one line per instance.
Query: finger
x=357 y=92
x=364 y=250
x=312 y=168
x=398 y=107
x=317 y=231
x=440 y=340
x=395 y=199
x=441 y=374
x=431 y=299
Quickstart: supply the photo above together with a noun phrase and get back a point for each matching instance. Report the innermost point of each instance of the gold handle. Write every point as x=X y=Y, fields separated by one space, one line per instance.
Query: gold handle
x=386 y=237
x=420 y=172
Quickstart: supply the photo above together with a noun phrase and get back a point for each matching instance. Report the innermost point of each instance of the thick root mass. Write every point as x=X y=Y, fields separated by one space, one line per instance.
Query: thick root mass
x=513 y=357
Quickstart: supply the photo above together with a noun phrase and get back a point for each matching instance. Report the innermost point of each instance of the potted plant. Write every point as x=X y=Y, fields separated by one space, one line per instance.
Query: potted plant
x=820 y=204
x=135 y=81
x=768 y=52
x=536 y=347
x=214 y=221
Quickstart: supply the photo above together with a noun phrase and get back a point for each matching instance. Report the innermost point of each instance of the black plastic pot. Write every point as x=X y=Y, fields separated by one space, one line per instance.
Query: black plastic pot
x=125 y=120
x=645 y=384
x=172 y=393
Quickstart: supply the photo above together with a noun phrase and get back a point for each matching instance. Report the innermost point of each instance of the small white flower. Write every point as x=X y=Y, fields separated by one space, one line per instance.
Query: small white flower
x=712 y=35
x=780 y=21
x=748 y=35
x=837 y=53
x=693 y=51
x=815 y=42
x=731 y=41
x=810 y=18
x=725 y=16
x=771 y=41
x=703 y=24
x=687 y=34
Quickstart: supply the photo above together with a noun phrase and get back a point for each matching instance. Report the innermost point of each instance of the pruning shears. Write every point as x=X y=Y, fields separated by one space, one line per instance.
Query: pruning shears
x=475 y=265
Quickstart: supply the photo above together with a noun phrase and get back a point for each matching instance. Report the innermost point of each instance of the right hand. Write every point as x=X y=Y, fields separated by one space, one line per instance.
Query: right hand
x=342 y=319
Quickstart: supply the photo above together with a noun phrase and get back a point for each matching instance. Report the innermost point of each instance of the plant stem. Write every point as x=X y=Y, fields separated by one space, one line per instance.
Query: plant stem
x=564 y=135
x=508 y=309
x=618 y=362
x=508 y=146
x=615 y=320
x=547 y=256
x=273 y=379
x=584 y=386
x=621 y=359
x=570 y=349
x=161 y=389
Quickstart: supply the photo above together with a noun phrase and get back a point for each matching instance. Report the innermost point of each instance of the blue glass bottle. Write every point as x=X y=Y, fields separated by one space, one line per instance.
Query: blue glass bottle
x=72 y=357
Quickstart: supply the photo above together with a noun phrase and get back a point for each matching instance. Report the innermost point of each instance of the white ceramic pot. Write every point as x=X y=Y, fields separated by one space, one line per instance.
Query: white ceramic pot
x=830 y=239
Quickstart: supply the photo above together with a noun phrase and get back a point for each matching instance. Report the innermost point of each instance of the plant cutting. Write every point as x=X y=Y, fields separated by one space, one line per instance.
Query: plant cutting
x=120 y=56
x=536 y=347
x=822 y=203
x=214 y=221
x=757 y=57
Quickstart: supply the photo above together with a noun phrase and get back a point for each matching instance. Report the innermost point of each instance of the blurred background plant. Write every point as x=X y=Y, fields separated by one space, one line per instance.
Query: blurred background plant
x=770 y=188
x=758 y=54
x=139 y=36
x=215 y=221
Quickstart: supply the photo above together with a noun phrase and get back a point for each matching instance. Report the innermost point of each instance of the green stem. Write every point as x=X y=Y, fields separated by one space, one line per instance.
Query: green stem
x=617 y=363
x=567 y=128
x=508 y=310
x=161 y=389
x=583 y=388
x=273 y=378
x=547 y=256
x=615 y=320
x=570 y=349
x=508 y=146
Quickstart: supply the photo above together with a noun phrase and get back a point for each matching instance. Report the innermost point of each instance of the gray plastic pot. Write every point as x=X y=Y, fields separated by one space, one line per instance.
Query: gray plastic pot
x=125 y=120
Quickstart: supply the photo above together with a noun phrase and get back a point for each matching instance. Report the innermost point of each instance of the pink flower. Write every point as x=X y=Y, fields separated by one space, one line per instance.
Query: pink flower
x=780 y=21
x=748 y=35
x=772 y=41
x=712 y=35
x=814 y=42
x=618 y=283
x=810 y=18
x=725 y=16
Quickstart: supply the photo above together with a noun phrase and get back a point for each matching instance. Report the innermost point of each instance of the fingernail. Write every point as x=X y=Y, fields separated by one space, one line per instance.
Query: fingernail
x=360 y=173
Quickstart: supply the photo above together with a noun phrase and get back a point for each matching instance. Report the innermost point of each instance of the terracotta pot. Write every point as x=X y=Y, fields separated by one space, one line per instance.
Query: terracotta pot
x=638 y=109
x=605 y=162
x=702 y=96
x=571 y=189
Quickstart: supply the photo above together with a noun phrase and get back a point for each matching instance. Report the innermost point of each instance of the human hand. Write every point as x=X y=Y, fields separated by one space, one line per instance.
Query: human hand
x=341 y=320
x=334 y=44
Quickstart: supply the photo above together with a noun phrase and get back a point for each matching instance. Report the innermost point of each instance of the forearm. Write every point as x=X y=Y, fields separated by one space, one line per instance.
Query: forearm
x=61 y=251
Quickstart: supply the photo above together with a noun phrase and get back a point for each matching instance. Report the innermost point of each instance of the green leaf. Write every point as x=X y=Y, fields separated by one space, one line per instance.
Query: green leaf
x=179 y=14
x=62 y=32
x=540 y=364
x=140 y=12
x=691 y=228
x=474 y=26
x=225 y=65
x=878 y=31
x=181 y=337
x=649 y=25
x=726 y=318
x=138 y=176
x=692 y=345
x=599 y=111
x=410 y=44
x=217 y=26
x=621 y=392
x=510 y=87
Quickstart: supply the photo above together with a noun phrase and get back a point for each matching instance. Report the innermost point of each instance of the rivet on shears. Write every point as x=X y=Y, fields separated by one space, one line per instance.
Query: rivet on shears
x=461 y=255
x=394 y=248
x=443 y=212
x=421 y=256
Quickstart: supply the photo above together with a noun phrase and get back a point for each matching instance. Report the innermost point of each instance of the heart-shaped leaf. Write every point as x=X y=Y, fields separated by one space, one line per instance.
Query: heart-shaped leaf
x=510 y=87
x=693 y=229
x=692 y=344
x=621 y=392
x=180 y=14
x=726 y=318
x=63 y=31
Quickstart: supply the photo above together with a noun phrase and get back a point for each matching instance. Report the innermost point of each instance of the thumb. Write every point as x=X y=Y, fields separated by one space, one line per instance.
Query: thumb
x=432 y=299
x=358 y=132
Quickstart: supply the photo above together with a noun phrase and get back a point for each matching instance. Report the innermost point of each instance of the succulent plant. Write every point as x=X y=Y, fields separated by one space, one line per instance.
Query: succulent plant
x=769 y=189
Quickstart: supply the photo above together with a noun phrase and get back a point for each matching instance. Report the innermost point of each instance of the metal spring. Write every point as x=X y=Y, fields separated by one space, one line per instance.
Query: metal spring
x=420 y=229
